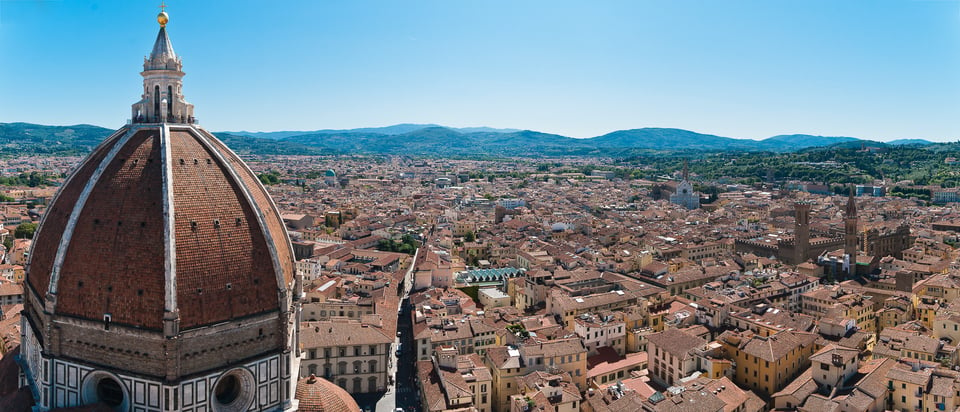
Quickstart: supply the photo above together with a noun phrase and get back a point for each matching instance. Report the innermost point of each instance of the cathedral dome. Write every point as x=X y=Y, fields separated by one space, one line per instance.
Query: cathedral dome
x=320 y=395
x=159 y=220
x=161 y=276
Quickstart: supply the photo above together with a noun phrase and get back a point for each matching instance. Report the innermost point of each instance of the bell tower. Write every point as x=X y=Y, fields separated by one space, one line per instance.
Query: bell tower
x=850 y=227
x=801 y=231
x=162 y=100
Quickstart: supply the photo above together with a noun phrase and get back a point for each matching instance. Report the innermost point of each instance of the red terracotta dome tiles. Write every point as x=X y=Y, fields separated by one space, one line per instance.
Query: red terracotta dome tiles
x=47 y=239
x=224 y=269
x=111 y=264
x=262 y=198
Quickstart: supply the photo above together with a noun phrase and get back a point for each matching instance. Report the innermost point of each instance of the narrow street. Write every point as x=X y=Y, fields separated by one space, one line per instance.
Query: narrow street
x=402 y=392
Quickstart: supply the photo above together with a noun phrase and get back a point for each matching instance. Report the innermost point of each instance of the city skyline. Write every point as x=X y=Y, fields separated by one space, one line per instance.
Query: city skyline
x=745 y=69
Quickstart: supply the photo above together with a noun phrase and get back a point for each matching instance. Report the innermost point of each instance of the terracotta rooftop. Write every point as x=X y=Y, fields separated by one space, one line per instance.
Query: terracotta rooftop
x=320 y=395
x=224 y=242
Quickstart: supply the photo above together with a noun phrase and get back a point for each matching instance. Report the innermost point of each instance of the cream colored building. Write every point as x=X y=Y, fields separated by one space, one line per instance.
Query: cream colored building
x=348 y=353
x=454 y=382
x=672 y=356
x=836 y=380
x=493 y=298
x=546 y=392
x=508 y=363
x=919 y=386
x=597 y=331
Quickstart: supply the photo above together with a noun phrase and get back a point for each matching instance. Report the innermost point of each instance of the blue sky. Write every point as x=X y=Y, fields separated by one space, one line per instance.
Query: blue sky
x=872 y=69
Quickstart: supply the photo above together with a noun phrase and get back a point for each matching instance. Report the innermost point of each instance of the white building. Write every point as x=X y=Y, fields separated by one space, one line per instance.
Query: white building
x=493 y=298
x=598 y=331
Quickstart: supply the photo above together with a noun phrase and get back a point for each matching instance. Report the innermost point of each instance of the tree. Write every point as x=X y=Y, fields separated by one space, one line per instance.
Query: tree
x=269 y=178
x=469 y=237
x=25 y=231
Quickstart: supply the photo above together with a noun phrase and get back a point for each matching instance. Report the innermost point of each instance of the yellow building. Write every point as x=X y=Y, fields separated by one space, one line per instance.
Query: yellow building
x=508 y=363
x=922 y=387
x=767 y=364
x=546 y=392
x=947 y=325
x=568 y=355
x=505 y=366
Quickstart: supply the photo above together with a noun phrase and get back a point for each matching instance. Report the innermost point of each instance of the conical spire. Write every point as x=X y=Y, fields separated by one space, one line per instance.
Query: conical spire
x=851 y=204
x=162 y=100
x=162 y=48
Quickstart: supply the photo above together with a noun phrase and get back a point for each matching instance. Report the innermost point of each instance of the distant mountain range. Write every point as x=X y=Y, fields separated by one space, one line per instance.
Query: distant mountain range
x=387 y=130
x=434 y=140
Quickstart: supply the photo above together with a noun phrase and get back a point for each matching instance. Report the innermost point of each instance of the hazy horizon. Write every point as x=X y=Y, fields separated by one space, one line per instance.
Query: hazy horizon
x=751 y=69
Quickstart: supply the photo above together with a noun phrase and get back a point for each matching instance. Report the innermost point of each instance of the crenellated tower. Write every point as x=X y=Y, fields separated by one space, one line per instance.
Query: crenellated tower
x=850 y=227
x=801 y=231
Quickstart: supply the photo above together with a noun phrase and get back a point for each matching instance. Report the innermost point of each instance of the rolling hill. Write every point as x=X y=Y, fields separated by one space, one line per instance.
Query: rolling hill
x=433 y=140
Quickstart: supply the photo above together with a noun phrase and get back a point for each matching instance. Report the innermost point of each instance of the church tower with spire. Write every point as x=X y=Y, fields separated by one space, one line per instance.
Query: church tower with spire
x=162 y=100
x=161 y=277
x=685 y=195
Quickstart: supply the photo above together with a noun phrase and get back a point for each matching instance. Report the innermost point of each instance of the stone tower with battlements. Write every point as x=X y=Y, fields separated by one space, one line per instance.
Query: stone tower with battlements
x=801 y=231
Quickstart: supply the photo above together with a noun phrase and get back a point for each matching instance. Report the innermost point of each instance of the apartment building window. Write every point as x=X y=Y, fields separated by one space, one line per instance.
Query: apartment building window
x=342 y=350
x=326 y=353
x=356 y=351
x=313 y=354
x=342 y=368
x=373 y=349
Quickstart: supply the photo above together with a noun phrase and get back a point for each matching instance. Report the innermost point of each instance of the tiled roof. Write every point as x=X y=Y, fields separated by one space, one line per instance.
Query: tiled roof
x=227 y=244
x=320 y=395
x=340 y=333
x=676 y=342
x=775 y=347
